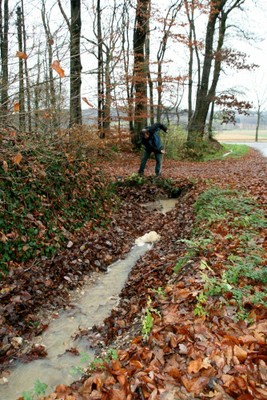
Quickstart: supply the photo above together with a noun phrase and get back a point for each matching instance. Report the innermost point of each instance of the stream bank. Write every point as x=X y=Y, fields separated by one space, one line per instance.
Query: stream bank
x=57 y=364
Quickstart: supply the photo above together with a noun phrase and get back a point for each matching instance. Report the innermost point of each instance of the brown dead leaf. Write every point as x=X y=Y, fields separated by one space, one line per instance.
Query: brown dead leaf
x=21 y=55
x=87 y=102
x=56 y=66
x=136 y=364
x=117 y=394
x=196 y=365
x=240 y=353
x=16 y=107
x=5 y=166
x=17 y=159
x=263 y=370
x=195 y=385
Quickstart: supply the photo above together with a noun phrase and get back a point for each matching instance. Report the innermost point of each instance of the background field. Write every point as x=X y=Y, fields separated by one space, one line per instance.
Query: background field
x=240 y=135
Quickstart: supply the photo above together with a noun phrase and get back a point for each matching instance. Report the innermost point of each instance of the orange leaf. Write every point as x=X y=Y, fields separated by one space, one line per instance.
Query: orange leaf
x=196 y=365
x=21 y=55
x=240 y=353
x=116 y=394
x=16 y=106
x=87 y=102
x=135 y=363
x=195 y=385
x=5 y=166
x=17 y=159
x=56 y=66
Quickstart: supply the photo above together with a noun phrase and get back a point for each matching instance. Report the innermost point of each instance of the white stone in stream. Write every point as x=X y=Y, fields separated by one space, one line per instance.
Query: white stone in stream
x=149 y=237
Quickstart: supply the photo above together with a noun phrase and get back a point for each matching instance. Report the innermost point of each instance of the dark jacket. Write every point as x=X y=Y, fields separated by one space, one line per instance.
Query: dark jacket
x=153 y=143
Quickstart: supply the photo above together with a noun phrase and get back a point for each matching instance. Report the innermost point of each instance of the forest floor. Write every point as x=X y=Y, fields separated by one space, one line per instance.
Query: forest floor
x=193 y=347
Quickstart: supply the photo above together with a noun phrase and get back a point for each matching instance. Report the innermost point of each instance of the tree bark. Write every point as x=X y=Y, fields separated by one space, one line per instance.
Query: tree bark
x=140 y=75
x=75 y=64
x=196 y=128
x=4 y=25
x=22 y=121
x=51 y=84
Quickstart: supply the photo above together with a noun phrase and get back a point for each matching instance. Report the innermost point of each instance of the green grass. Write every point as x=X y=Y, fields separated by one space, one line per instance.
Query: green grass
x=242 y=276
x=227 y=151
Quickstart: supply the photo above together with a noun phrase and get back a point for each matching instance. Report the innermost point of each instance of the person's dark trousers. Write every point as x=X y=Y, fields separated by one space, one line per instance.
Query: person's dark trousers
x=146 y=155
x=144 y=159
x=158 y=157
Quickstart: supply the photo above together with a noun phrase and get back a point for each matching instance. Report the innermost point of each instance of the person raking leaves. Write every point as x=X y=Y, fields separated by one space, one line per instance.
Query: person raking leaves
x=152 y=144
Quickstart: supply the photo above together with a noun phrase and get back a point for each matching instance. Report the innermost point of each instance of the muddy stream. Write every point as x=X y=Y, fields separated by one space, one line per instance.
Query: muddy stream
x=91 y=304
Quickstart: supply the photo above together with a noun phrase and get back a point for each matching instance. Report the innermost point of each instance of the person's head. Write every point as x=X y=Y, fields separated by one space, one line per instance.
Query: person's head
x=145 y=133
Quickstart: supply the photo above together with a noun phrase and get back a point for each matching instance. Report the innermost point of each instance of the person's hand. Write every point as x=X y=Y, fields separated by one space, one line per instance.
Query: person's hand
x=162 y=151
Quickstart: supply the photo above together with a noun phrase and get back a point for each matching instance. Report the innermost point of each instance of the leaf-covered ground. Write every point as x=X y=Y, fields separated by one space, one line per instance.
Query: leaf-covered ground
x=186 y=355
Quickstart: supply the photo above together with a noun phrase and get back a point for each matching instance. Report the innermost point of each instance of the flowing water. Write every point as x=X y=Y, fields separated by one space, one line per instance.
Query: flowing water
x=90 y=306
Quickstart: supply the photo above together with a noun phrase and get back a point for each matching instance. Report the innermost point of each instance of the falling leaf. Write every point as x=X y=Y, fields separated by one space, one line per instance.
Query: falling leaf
x=22 y=55
x=17 y=159
x=16 y=107
x=56 y=66
x=87 y=102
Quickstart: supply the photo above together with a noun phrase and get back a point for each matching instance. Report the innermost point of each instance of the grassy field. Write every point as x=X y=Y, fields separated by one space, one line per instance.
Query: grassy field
x=240 y=136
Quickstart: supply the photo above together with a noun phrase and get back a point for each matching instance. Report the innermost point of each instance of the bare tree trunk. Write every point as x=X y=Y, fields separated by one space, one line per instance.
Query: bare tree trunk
x=140 y=76
x=149 y=79
x=37 y=93
x=190 y=17
x=259 y=113
x=75 y=64
x=211 y=116
x=4 y=62
x=26 y=71
x=22 y=121
x=205 y=95
x=100 y=73
x=107 y=99
x=51 y=83
x=126 y=62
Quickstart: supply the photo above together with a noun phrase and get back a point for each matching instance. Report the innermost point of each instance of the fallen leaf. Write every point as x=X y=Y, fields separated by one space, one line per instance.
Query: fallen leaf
x=17 y=159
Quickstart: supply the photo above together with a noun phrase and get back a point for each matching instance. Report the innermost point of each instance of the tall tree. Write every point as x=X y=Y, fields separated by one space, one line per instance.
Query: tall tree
x=126 y=59
x=214 y=55
x=22 y=120
x=26 y=71
x=75 y=64
x=140 y=70
x=51 y=84
x=4 y=60
x=100 y=71
x=193 y=50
